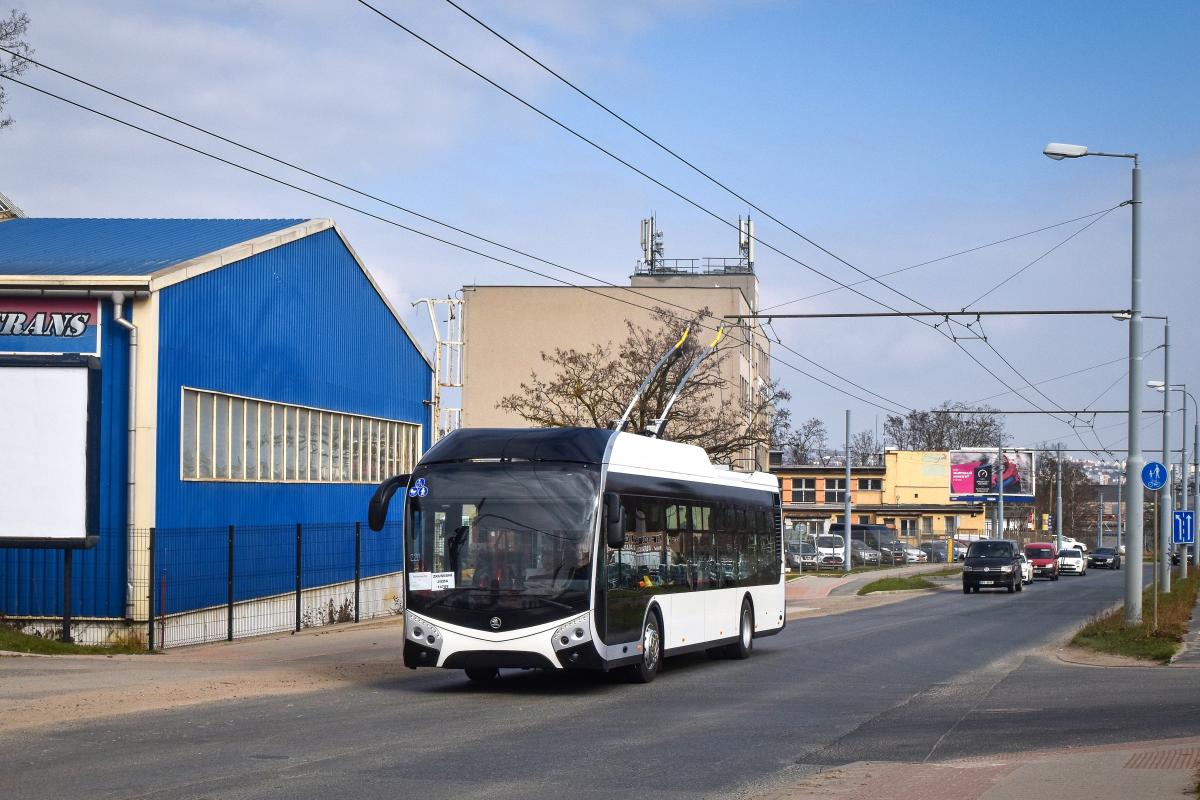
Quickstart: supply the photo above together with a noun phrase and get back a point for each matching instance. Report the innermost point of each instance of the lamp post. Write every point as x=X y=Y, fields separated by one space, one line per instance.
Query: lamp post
x=1183 y=465
x=1133 y=462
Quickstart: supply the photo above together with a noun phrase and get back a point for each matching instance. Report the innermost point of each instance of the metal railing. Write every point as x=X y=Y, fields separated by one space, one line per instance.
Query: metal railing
x=209 y=584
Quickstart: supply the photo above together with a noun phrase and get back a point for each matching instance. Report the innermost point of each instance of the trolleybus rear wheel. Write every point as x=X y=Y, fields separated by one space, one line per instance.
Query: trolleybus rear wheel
x=745 y=643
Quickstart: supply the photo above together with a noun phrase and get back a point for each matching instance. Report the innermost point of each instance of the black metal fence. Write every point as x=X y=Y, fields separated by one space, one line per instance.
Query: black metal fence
x=209 y=584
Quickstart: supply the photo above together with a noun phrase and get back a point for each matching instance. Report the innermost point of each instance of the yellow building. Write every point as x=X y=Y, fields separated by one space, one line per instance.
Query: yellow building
x=910 y=493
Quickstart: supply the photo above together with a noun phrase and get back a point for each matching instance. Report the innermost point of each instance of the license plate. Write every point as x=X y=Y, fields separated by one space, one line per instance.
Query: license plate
x=986 y=583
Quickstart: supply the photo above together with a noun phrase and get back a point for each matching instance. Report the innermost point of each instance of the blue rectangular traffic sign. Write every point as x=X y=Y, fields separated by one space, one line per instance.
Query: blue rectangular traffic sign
x=1184 y=529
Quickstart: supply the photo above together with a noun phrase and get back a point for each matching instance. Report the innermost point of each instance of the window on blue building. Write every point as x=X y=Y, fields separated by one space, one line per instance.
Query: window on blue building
x=231 y=438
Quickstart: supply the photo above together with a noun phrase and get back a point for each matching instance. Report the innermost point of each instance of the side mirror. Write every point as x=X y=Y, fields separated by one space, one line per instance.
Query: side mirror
x=377 y=510
x=614 y=521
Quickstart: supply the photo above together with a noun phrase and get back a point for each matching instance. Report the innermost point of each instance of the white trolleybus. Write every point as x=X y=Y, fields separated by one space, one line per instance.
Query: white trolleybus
x=582 y=548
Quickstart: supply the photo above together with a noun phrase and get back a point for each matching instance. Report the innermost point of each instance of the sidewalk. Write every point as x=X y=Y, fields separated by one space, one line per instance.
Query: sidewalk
x=49 y=690
x=1149 y=769
x=1189 y=654
x=812 y=586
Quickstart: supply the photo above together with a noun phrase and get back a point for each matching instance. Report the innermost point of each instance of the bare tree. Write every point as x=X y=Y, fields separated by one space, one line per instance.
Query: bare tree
x=808 y=443
x=864 y=449
x=1079 y=493
x=12 y=37
x=590 y=388
x=947 y=427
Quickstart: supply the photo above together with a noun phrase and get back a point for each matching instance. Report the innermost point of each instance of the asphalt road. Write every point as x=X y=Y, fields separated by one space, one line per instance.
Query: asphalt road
x=937 y=677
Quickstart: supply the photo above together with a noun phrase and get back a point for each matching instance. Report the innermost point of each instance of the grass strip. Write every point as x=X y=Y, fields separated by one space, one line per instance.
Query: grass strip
x=1108 y=634
x=17 y=642
x=896 y=584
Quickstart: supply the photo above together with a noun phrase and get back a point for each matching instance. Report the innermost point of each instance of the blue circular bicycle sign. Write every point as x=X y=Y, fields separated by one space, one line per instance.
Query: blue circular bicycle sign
x=418 y=489
x=1154 y=475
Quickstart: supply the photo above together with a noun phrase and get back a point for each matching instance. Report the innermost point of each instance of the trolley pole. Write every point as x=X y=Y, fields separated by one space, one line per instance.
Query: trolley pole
x=846 y=526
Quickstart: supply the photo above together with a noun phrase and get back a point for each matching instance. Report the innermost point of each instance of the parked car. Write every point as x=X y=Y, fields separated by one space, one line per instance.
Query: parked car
x=935 y=551
x=881 y=538
x=891 y=553
x=1071 y=562
x=1026 y=569
x=830 y=561
x=1044 y=558
x=913 y=555
x=1074 y=544
x=993 y=563
x=802 y=556
x=1106 y=557
x=830 y=544
x=860 y=553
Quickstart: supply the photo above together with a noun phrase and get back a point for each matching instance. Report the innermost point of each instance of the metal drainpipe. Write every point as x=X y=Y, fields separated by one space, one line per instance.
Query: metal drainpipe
x=118 y=300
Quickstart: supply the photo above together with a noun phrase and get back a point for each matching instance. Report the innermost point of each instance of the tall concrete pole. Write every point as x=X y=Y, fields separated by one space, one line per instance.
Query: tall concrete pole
x=846 y=527
x=1164 y=494
x=1100 y=521
x=1058 y=500
x=1196 y=473
x=999 y=486
x=1133 y=461
x=1120 y=516
x=1183 y=487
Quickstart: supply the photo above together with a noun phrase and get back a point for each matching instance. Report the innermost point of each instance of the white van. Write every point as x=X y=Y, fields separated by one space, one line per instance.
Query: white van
x=831 y=544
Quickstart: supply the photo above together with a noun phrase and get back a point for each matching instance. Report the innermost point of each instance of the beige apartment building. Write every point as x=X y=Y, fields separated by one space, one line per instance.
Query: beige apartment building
x=507 y=328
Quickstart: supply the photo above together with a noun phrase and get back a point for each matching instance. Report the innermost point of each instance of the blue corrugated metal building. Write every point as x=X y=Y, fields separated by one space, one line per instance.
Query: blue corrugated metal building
x=271 y=383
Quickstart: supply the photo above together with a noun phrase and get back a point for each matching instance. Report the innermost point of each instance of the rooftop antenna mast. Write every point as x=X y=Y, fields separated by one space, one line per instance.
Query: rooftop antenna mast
x=656 y=429
x=668 y=358
x=746 y=240
x=652 y=244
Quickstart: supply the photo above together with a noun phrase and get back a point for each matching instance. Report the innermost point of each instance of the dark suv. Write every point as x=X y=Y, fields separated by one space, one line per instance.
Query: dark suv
x=881 y=538
x=993 y=563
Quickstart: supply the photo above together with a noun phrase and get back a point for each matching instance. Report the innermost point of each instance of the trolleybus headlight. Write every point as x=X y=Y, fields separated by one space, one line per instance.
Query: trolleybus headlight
x=421 y=631
x=572 y=633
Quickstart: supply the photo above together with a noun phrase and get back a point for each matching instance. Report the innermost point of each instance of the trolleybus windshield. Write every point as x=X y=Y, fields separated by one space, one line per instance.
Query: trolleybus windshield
x=488 y=537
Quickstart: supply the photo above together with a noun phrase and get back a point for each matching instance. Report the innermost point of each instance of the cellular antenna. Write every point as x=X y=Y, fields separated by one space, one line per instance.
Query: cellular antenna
x=652 y=244
x=746 y=241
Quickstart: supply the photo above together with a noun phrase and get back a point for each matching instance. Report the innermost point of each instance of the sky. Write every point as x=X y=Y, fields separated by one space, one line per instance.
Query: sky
x=889 y=133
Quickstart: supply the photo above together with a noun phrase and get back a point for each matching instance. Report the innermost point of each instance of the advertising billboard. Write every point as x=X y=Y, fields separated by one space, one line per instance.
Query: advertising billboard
x=49 y=325
x=973 y=475
x=49 y=424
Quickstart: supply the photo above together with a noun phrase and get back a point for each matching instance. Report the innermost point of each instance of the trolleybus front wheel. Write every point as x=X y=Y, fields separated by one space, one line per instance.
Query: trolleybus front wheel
x=647 y=669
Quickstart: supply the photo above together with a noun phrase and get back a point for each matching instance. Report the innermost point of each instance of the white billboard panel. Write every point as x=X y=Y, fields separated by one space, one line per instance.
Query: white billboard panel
x=44 y=434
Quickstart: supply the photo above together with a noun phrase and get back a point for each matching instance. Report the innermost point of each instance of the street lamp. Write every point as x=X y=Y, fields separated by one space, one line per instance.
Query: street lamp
x=1182 y=388
x=1133 y=462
